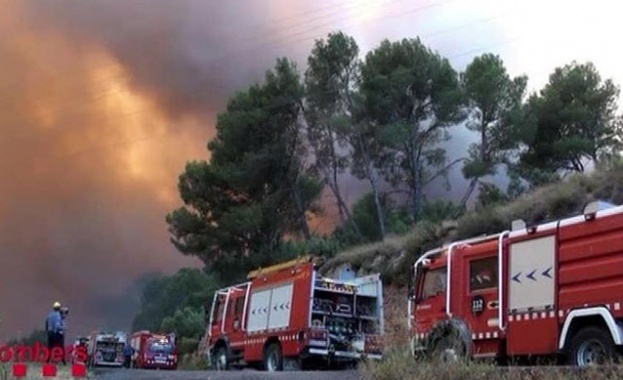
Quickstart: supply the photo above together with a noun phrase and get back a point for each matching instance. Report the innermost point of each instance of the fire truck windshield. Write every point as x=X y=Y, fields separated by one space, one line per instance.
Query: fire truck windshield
x=161 y=348
x=434 y=282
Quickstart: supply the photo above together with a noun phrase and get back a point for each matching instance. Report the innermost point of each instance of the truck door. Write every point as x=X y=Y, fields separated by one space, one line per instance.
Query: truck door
x=233 y=322
x=481 y=302
x=430 y=298
x=215 y=328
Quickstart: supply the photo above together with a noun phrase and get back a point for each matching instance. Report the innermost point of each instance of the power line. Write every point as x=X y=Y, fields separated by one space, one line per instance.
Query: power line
x=210 y=87
x=287 y=40
x=307 y=15
x=271 y=106
x=225 y=54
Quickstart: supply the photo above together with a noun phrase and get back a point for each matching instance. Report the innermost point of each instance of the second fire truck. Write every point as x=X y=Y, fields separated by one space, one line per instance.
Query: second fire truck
x=550 y=290
x=288 y=315
x=106 y=348
x=154 y=351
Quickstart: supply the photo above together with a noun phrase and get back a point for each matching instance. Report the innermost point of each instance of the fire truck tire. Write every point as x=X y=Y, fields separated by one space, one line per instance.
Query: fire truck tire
x=589 y=342
x=448 y=350
x=221 y=362
x=273 y=359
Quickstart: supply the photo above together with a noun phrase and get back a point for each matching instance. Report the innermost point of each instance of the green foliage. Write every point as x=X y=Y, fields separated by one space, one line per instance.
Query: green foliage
x=255 y=188
x=162 y=297
x=438 y=211
x=187 y=323
x=317 y=246
x=495 y=100
x=364 y=216
x=332 y=68
x=490 y=195
x=410 y=96
x=570 y=122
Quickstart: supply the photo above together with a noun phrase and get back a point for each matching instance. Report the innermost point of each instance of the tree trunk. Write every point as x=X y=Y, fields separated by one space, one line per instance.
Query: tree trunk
x=373 y=183
x=417 y=183
x=301 y=211
x=465 y=199
x=377 y=202
x=345 y=214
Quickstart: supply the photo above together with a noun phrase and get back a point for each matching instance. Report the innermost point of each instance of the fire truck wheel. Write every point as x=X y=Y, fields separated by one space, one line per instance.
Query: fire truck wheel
x=220 y=359
x=448 y=350
x=591 y=346
x=273 y=360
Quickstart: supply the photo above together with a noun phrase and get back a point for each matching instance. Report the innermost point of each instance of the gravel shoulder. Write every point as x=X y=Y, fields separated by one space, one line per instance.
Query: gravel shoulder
x=135 y=374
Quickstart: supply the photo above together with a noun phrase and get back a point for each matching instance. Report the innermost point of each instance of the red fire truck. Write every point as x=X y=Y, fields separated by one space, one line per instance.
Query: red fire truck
x=551 y=290
x=289 y=316
x=154 y=351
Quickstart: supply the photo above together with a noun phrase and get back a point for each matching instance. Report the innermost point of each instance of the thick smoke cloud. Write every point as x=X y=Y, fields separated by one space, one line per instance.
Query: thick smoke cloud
x=102 y=103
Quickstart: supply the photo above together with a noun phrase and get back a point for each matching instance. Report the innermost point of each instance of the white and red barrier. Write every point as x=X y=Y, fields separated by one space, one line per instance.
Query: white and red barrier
x=21 y=370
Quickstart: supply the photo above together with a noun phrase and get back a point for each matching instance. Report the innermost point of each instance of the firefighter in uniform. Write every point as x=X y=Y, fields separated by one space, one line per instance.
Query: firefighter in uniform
x=53 y=325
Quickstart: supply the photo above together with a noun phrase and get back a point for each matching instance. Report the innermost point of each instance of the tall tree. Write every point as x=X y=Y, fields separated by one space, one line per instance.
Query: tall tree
x=366 y=149
x=494 y=100
x=411 y=96
x=255 y=188
x=571 y=122
x=329 y=79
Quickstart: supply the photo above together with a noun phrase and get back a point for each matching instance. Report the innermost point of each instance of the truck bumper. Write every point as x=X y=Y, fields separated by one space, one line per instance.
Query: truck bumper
x=172 y=367
x=107 y=364
x=343 y=354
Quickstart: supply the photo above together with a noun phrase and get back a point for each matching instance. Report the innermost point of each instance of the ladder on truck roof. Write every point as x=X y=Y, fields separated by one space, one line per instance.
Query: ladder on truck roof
x=278 y=267
x=226 y=292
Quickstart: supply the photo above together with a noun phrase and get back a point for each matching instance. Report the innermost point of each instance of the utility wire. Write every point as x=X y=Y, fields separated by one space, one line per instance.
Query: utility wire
x=210 y=87
x=218 y=58
x=265 y=108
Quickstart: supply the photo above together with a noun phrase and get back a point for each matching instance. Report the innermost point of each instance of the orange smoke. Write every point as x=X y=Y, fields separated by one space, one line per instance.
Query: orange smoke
x=89 y=170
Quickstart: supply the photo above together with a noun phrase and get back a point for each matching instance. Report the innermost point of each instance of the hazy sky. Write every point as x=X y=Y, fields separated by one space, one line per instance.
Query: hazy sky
x=104 y=101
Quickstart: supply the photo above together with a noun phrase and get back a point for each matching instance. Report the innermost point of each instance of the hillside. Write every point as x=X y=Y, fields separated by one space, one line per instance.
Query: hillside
x=396 y=254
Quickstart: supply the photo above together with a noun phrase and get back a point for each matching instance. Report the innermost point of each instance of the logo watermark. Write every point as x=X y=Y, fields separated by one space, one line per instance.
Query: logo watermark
x=22 y=355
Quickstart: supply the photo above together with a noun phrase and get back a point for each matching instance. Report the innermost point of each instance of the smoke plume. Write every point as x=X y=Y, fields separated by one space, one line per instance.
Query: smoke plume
x=103 y=102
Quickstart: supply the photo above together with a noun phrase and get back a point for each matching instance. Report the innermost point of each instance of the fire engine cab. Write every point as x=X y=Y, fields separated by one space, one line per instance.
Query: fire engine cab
x=289 y=314
x=154 y=351
x=550 y=290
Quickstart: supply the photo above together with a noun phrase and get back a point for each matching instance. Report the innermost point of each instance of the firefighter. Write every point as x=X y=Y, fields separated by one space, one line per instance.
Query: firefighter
x=128 y=351
x=54 y=324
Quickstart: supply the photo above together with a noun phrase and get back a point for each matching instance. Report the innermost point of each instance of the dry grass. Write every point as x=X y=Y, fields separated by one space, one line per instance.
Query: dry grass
x=400 y=366
x=396 y=337
x=193 y=362
x=394 y=256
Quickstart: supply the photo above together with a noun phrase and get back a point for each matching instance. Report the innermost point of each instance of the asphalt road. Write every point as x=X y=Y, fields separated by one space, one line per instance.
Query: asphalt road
x=136 y=374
